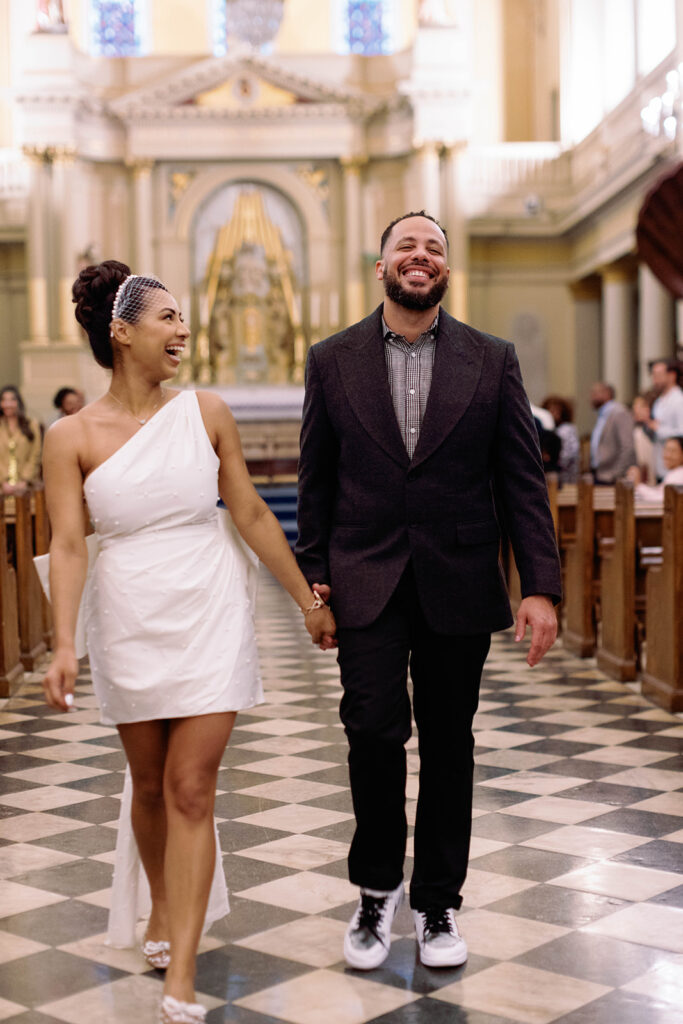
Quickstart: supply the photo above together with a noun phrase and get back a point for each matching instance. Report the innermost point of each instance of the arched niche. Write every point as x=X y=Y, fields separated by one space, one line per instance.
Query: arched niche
x=250 y=287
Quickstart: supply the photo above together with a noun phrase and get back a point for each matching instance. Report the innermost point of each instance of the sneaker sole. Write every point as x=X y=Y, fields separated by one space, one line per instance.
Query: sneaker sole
x=454 y=962
x=365 y=964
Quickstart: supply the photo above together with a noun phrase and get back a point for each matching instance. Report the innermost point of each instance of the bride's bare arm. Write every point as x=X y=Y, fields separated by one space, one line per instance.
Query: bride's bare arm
x=68 y=554
x=254 y=520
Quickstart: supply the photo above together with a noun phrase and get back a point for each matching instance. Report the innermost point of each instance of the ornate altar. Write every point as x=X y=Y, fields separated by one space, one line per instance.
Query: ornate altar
x=250 y=324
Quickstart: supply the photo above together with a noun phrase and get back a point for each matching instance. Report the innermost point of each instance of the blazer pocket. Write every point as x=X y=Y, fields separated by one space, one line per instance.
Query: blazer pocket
x=477 y=533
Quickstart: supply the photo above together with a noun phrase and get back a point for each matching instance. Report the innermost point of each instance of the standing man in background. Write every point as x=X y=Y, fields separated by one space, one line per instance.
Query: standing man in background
x=667 y=409
x=612 y=447
x=416 y=435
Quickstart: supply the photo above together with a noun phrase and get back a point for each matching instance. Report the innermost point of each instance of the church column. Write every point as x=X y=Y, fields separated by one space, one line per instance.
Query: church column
x=456 y=225
x=617 y=329
x=429 y=178
x=655 y=324
x=143 y=214
x=587 y=347
x=38 y=217
x=353 y=238
x=66 y=198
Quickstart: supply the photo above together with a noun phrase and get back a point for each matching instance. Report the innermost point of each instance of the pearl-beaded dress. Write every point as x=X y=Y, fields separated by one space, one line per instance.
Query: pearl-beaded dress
x=168 y=609
x=168 y=606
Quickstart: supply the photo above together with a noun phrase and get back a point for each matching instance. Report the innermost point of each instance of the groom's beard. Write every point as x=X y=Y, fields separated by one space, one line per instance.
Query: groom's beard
x=413 y=300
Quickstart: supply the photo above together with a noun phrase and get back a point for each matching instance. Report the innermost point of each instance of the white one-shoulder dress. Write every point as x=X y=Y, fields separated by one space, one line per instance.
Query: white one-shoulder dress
x=168 y=606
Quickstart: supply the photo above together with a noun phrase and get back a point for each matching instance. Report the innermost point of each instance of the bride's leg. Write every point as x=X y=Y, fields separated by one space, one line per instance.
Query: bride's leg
x=195 y=748
x=145 y=744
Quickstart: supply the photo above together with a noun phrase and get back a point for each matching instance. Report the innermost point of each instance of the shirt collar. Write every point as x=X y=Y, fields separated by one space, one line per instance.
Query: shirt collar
x=431 y=330
x=606 y=409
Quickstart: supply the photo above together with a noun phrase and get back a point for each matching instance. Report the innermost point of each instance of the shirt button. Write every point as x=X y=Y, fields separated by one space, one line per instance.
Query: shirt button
x=412 y=430
x=413 y=355
x=412 y=391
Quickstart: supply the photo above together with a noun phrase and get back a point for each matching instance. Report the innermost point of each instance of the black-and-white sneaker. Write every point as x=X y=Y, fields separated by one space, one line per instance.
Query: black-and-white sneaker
x=368 y=937
x=440 y=942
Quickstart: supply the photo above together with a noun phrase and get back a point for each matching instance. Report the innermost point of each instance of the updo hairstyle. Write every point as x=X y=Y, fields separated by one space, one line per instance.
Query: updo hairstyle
x=94 y=292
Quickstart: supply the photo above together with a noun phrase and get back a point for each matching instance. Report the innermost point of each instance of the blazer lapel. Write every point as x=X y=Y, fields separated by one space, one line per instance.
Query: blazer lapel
x=363 y=370
x=458 y=361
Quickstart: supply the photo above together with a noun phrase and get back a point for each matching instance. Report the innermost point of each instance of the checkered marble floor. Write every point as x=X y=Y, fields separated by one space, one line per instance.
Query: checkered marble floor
x=573 y=907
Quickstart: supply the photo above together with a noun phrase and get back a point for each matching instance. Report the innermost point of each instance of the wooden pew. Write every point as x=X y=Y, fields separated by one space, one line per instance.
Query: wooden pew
x=11 y=667
x=30 y=595
x=594 y=520
x=662 y=678
x=624 y=560
x=564 y=515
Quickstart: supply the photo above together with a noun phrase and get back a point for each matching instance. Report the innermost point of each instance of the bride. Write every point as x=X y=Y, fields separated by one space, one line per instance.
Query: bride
x=167 y=604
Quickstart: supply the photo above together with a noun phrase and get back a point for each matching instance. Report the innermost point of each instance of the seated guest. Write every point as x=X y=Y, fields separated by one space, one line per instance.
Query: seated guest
x=643 y=440
x=20 y=444
x=570 y=447
x=672 y=457
x=67 y=401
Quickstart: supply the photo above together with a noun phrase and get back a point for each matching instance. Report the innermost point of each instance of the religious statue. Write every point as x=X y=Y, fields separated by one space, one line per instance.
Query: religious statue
x=50 y=16
x=435 y=14
x=251 y=312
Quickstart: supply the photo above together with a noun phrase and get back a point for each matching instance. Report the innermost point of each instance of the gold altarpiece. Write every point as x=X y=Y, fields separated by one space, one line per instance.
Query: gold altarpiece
x=249 y=303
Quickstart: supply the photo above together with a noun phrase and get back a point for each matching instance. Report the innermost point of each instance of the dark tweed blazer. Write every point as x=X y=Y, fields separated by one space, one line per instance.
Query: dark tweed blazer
x=365 y=508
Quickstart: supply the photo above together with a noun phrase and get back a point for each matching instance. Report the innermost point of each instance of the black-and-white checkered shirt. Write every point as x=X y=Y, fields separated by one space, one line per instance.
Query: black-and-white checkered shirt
x=409 y=368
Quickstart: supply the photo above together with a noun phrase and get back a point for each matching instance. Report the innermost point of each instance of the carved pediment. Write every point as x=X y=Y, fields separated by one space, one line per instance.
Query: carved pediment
x=240 y=86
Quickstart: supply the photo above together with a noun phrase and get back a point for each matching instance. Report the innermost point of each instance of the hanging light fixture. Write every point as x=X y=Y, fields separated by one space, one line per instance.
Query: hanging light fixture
x=253 y=21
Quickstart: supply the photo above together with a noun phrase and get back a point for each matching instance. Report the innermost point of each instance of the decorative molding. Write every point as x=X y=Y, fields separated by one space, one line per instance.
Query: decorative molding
x=317 y=180
x=174 y=93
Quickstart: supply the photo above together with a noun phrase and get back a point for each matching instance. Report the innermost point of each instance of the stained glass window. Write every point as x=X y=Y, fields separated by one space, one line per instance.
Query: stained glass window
x=116 y=27
x=366 y=27
x=219 y=28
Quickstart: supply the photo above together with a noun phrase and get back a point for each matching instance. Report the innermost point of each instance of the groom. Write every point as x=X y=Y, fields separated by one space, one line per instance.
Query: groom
x=417 y=438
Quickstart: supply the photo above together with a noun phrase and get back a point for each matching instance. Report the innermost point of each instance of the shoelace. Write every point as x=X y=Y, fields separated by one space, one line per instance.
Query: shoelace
x=436 y=922
x=371 y=912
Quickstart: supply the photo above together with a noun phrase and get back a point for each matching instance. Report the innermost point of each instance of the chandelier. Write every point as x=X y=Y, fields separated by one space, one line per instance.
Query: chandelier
x=253 y=21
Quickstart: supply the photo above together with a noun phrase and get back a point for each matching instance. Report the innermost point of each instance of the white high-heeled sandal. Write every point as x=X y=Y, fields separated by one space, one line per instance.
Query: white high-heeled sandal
x=157 y=954
x=173 y=1011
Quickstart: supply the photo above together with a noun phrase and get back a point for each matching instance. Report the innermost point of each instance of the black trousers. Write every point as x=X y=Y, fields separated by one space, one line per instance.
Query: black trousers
x=375 y=710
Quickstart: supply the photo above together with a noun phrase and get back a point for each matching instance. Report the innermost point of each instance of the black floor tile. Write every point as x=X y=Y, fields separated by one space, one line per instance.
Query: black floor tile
x=509 y=828
x=77 y=878
x=233 y=972
x=554 y=904
x=621 y=1007
x=434 y=1011
x=662 y=855
x=596 y=958
x=51 y=975
x=63 y=922
x=639 y=823
x=94 y=812
x=84 y=842
x=609 y=793
x=525 y=862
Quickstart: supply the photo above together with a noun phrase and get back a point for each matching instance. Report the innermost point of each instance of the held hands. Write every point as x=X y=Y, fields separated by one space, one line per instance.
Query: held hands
x=320 y=624
x=538 y=612
x=59 y=680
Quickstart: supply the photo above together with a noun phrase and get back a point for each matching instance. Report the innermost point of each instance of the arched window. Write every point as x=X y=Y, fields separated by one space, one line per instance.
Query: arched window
x=365 y=27
x=116 y=27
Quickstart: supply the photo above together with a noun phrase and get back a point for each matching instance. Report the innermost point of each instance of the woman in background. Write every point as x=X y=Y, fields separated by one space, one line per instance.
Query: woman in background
x=20 y=443
x=570 y=447
x=68 y=401
x=672 y=457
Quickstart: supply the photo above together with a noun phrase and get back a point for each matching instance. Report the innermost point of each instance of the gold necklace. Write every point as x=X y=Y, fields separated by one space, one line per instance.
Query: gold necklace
x=130 y=411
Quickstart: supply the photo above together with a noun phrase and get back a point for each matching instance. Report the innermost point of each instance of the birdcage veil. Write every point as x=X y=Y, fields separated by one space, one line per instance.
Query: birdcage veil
x=132 y=296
